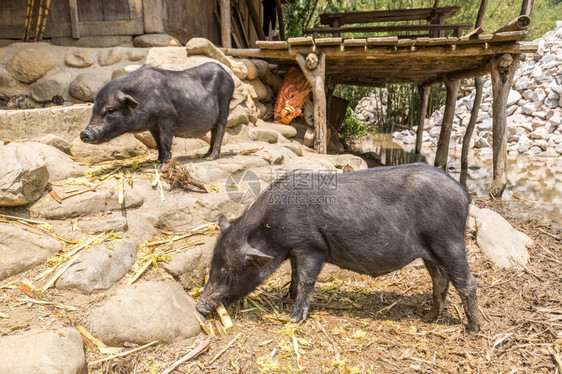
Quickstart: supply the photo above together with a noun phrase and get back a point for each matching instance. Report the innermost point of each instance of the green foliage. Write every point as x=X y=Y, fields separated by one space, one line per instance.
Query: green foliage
x=353 y=127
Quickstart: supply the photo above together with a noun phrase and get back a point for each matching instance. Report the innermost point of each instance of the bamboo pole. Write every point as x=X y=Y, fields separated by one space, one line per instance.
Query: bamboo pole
x=27 y=24
x=526 y=8
x=44 y=21
x=39 y=15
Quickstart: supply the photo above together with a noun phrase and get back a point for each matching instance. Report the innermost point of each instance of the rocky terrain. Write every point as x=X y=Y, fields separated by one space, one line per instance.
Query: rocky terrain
x=534 y=108
x=101 y=255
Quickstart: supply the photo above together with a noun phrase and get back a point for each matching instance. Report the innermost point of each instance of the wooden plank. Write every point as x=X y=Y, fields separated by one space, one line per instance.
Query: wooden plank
x=74 y=19
x=114 y=10
x=405 y=42
x=507 y=36
x=307 y=40
x=383 y=40
x=390 y=28
x=422 y=41
x=90 y=10
x=355 y=42
x=320 y=42
x=275 y=44
x=387 y=15
x=153 y=16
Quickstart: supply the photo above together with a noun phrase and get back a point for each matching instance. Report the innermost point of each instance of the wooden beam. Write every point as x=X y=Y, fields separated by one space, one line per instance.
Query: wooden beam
x=518 y=24
x=481 y=12
x=425 y=27
x=314 y=69
x=526 y=7
x=502 y=70
x=74 y=19
x=226 y=27
x=442 y=154
x=479 y=84
x=424 y=93
x=254 y=15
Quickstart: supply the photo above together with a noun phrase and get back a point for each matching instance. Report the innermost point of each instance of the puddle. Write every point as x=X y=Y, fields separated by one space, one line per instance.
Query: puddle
x=534 y=188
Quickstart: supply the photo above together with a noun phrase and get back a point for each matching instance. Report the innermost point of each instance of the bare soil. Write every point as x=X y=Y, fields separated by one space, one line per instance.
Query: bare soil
x=356 y=324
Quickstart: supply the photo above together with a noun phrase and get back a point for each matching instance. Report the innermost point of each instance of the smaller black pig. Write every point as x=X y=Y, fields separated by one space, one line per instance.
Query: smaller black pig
x=372 y=221
x=167 y=103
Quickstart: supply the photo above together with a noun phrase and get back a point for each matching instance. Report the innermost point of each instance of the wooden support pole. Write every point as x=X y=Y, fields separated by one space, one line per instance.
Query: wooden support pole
x=481 y=11
x=502 y=70
x=226 y=37
x=280 y=19
x=254 y=15
x=479 y=84
x=73 y=6
x=526 y=7
x=314 y=69
x=442 y=153
x=424 y=93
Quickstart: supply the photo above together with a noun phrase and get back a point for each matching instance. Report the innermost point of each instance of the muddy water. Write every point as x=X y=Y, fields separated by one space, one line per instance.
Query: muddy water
x=534 y=188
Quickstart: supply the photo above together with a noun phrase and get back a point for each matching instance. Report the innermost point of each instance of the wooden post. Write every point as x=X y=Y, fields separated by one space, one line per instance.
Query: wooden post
x=254 y=15
x=72 y=4
x=526 y=8
x=226 y=37
x=424 y=93
x=502 y=71
x=480 y=16
x=314 y=69
x=280 y=19
x=151 y=13
x=442 y=153
x=479 y=83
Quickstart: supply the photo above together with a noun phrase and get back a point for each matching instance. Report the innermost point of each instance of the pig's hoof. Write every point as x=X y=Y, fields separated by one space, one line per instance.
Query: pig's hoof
x=211 y=155
x=472 y=329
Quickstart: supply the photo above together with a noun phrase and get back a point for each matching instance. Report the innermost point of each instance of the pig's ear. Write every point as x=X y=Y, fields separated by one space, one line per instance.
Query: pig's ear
x=255 y=257
x=223 y=223
x=127 y=100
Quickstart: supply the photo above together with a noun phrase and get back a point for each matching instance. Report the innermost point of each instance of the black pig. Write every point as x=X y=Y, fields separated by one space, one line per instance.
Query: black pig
x=168 y=103
x=372 y=221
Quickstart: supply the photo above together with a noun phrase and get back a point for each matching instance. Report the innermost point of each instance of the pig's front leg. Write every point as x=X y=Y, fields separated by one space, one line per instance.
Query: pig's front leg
x=164 y=144
x=308 y=266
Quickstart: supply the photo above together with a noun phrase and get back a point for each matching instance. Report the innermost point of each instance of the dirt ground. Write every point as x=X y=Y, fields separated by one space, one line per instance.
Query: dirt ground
x=357 y=324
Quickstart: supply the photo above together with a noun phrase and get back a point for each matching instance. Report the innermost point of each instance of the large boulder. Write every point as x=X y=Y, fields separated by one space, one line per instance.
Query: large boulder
x=47 y=352
x=59 y=165
x=122 y=147
x=110 y=56
x=86 y=85
x=144 y=312
x=31 y=64
x=189 y=267
x=22 y=248
x=45 y=88
x=155 y=40
x=23 y=177
x=79 y=59
x=498 y=240
x=201 y=46
x=100 y=266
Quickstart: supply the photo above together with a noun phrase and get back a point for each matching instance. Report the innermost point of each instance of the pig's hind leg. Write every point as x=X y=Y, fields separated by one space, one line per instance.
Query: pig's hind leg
x=453 y=262
x=440 y=288
x=217 y=133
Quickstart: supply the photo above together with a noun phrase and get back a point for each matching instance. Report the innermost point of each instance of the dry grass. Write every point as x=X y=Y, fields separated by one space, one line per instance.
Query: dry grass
x=364 y=326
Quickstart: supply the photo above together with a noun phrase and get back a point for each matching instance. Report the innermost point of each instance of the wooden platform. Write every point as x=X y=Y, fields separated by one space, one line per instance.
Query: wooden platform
x=382 y=60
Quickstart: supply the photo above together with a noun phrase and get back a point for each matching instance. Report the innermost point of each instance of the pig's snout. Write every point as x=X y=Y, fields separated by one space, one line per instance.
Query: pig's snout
x=87 y=136
x=204 y=308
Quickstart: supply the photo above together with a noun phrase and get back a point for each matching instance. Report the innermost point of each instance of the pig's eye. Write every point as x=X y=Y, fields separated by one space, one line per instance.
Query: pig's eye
x=110 y=110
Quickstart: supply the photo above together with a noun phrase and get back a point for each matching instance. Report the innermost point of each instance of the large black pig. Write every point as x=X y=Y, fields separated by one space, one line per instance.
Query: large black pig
x=168 y=103
x=373 y=221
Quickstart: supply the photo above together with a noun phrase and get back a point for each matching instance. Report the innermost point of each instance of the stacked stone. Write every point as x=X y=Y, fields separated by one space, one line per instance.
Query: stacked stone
x=534 y=107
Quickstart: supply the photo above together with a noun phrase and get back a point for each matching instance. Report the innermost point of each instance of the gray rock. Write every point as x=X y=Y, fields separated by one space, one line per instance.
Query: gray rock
x=552 y=103
x=97 y=225
x=264 y=135
x=140 y=227
x=287 y=131
x=530 y=108
x=558 y=148
x=53 y=141
x=481 y=143
x=79 y=59
x=86 y=203
x=45 y=88
x=124 y=70
x=189 y=267
x=513 y=97
x=46 y=352
x=100 y=266
x=259 y=90
x=538 y=94
x=31 y=64
x=86 y=85
x=135 y=55
x=523 y=144
x=540 y=133
x=237 y=116
x=541 y=143
x=522 y=83
x=144 y=312
x=23 y=175
x=59 y=165
x=110 y=56
x=504 y=245
x=6 y=79
x=122 y=147
x=22 y=248
x=252 y=69
x=155 y=40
